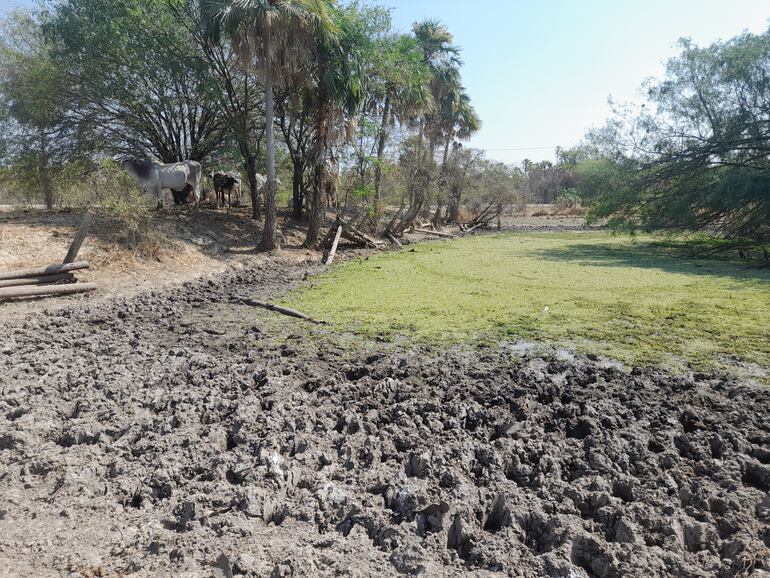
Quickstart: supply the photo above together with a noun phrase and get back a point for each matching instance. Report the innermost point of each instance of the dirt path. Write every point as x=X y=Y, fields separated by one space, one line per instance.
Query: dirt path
x=178 y=434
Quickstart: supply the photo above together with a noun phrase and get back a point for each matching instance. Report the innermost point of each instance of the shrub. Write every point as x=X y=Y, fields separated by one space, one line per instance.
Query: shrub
x=126 y=209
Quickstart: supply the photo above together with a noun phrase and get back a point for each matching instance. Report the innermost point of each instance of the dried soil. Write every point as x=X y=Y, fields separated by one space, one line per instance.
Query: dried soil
x=180 y=433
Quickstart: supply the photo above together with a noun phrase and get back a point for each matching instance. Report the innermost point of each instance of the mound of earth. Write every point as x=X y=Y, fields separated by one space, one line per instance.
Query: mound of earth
x=181 y=433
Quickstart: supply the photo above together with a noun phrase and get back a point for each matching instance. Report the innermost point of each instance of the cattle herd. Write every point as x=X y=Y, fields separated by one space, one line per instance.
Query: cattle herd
x=183 y=179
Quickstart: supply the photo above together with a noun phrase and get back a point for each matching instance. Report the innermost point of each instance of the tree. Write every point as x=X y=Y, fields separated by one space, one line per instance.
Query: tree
x=139 y=83
x=457 y=120
x=339 y=90
x=418 y=175
x=277 y=38
x=240 y=99
x=38 y=138
x=698 y=153
x=294 y=118
x=495 y=187
x=458 y=169
x=404 y=88
x=442 y=58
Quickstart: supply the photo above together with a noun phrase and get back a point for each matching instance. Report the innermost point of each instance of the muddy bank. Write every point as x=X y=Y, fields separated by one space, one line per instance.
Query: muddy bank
x=182 y=434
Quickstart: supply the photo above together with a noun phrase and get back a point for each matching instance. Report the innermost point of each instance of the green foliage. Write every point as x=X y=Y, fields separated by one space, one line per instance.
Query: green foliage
x=143 y=88
x=606 y=187
x=37 y=137
x=363 y=191
x=640 y=301
x=401 y=74
x=188 y=79
x=568 y=199
x=698 y=158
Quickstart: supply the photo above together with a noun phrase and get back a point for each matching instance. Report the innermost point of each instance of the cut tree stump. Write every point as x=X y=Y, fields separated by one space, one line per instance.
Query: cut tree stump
x=40 y=271
x=44 y=290
x=74 y=249
x=42 y=280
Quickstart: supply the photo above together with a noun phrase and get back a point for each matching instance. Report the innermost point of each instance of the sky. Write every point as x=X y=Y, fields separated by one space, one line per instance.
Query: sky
x=539 y=72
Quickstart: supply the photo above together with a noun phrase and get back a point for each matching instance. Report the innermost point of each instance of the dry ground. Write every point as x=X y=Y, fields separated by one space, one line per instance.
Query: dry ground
x=198 y=243
x=178 y=432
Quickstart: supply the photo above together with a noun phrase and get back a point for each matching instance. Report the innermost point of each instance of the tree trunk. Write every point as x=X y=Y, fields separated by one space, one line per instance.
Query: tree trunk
x=454 y=208
x=45 y=176
x=446 y=155
x=268 y=233
x=317 y=208
x=442 y=184
x=383 y=137
x=439 y=213
x=298 y=187
x=251 y=175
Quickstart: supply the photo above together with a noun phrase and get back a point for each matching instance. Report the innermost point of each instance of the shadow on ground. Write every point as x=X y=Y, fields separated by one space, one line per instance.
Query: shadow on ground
x=671 y=257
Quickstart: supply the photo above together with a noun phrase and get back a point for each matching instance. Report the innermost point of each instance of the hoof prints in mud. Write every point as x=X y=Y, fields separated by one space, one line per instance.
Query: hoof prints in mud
x=137 y=439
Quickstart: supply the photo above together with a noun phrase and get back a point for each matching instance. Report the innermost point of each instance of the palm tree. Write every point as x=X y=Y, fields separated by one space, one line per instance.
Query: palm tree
x=405 y=90
x=457 y=121
x=443 y=59
x=435 y=41
x=339 y=89
x=278 y=39
x=453 y=116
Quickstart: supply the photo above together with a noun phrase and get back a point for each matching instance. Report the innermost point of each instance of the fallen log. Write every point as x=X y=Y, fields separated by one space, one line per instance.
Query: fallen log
x=389 y=228
x=471 y=229
x=364 y=239
x=74 y=249
x=283 y=310
x=336 y=242
x=45 y=290
x=430 y=232
x=59 y=278
x=329 y=237
x=393 y=240
x=40 y=271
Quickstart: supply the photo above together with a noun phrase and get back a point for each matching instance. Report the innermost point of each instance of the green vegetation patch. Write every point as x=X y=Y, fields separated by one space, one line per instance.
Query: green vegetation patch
x=638 y=301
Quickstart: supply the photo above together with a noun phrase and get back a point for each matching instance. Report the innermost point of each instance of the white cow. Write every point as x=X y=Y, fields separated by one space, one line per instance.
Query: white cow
x=152 y=177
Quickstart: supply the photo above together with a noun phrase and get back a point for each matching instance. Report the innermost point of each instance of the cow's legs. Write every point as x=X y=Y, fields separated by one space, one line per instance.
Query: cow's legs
x=196 y=189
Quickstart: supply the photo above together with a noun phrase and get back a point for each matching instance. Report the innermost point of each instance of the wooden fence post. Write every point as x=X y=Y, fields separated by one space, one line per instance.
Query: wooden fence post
x=85 y=224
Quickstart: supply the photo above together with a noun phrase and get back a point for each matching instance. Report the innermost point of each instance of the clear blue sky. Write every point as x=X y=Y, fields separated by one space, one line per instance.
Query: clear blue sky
x=539 y=71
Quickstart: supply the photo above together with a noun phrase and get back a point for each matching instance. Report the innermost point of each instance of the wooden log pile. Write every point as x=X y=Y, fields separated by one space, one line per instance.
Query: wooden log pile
x=56 y=279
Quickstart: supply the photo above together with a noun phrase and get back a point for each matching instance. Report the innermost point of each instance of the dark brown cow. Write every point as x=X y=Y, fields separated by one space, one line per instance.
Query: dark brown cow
x=226 y=183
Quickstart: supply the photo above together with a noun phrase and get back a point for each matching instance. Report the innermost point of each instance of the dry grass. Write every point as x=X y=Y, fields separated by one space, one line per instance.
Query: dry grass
x=549 y=210
x=194 y=243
